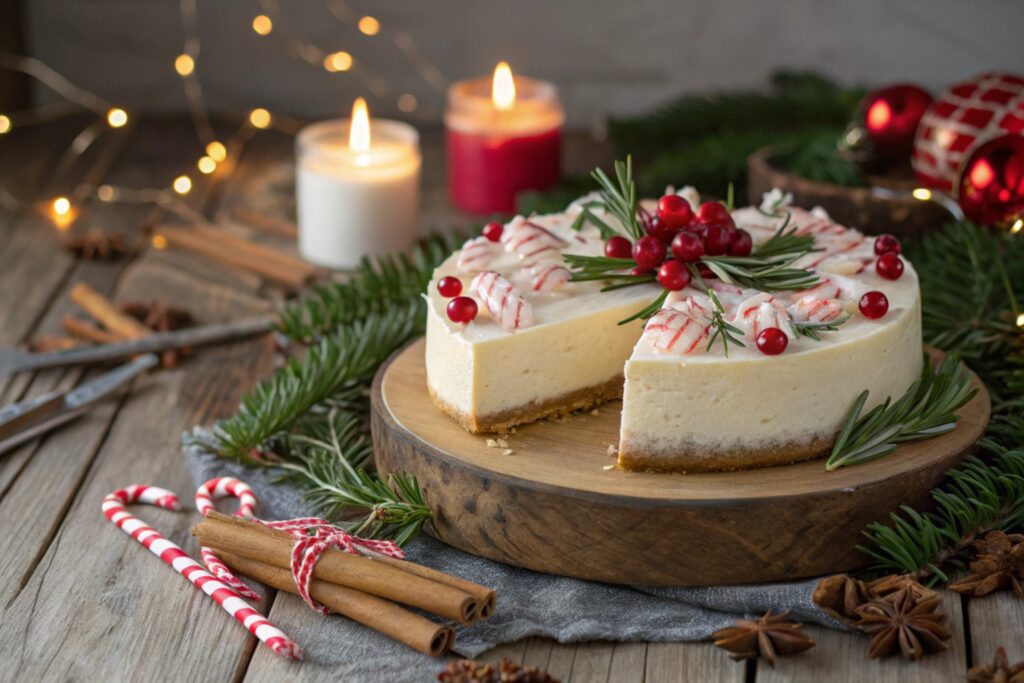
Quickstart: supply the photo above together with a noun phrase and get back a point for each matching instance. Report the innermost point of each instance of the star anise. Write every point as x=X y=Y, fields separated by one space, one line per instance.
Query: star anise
x=997 y=671
x=902 y=622
x=999 y=565
x=161 y=317
x=840 y=596
x=468 y=671
x=99 y=245
x=768 y=636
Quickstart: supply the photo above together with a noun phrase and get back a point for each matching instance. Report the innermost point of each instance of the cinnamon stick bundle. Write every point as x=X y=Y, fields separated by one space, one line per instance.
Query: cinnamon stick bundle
x=101 y=308
x=393 y=580
x=83 y=329
x=407 y=627
x=266 y=222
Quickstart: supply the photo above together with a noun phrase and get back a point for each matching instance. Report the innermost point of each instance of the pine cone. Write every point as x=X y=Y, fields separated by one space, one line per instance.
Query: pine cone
x=998 y=566
x=468 y=671
x=902 y=622
x=768 y=637
x=997 y=671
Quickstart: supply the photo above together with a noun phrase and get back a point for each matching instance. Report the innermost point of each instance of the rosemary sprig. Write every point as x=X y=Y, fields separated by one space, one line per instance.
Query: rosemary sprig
x=927 y=409
x=325 y=459
x=619 y=197
x=587 y=216
x=813 y=330
x=766 y=274
x=648 y=310
x=785 y=242
x=723 y=330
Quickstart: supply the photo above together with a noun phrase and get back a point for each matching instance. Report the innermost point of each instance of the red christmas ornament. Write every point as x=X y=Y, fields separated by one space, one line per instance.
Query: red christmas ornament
x=673 y=275
x=462 y=309
x=891 y=116
x=449 y=286
x=991 y=185
x=772 y=341
x=962 y=117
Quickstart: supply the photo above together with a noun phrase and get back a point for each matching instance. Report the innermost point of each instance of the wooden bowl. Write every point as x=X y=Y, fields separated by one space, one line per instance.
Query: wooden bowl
x=855 y=207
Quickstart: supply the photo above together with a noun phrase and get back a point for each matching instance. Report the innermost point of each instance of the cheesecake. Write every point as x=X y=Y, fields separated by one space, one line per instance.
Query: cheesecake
x=545 y=342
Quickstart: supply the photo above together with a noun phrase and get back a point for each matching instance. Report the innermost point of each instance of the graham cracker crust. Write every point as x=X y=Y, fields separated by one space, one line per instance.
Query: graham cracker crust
x=500 y=423
x=692 y=459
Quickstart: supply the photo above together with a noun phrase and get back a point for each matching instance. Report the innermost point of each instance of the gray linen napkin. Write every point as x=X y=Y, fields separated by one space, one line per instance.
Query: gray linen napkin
x=529 y=603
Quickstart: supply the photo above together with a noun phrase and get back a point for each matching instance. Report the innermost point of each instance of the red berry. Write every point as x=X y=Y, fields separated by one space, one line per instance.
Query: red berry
x=706 y=272
x=648 y=252
x=741 y=244
x=713 y=212
x=618 y=247
x=674 y=211
x=873 y=305
x=449 y=286
x=717 y=239
x=887 y=244
x=660 y=230
x=493 y=230
x=461 y=309
x=889 y=266
x=687 y=247
x=673 y=275
x=637 y=270
x=772 y=341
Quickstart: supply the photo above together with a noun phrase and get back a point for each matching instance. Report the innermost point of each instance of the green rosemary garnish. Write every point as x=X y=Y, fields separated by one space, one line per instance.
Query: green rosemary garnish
x=813 y=330
x=723 y=330
x=927 y=409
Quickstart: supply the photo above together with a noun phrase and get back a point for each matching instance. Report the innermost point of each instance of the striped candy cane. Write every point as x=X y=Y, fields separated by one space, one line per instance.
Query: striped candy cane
x=258 y=625
x=215 y=489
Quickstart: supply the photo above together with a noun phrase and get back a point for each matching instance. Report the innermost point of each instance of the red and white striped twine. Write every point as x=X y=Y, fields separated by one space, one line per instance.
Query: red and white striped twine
x=258 y=625
x=314 y=536
x=215 y=489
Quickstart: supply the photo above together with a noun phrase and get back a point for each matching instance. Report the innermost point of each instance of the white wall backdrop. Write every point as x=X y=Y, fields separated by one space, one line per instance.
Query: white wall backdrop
x=607 y=56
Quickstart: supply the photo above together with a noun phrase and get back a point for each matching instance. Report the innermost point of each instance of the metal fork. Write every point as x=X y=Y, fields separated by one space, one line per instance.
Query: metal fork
x=13 y=361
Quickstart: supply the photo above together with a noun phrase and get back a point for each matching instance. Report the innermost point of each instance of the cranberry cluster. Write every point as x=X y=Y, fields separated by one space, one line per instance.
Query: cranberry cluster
x=461 y=309
x=688 y=235
x=889 y=264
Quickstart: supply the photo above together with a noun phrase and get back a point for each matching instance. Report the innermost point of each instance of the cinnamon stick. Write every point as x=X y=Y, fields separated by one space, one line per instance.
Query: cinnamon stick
x=256 y=542
x=266 y=222
x=83 y=329
x=101 y=308
x=487 y=598
x=410 y=628
x=237 y=251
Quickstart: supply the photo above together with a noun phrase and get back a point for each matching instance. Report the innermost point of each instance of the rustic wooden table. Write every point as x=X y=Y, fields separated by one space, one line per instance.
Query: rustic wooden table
x=78 y=600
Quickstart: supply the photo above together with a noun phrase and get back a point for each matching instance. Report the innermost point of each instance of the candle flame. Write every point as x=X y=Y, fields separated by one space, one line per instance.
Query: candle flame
x=359 y=131
x=503 y=89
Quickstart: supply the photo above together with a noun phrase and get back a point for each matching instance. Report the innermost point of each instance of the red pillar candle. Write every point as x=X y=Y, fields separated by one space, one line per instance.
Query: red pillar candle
x=504 y=135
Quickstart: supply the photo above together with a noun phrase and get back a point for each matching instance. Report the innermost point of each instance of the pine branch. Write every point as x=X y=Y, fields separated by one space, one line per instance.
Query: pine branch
x=976 y=497
x=346 y=359
x=927 y=409
x=325 y=459
x=375 y=287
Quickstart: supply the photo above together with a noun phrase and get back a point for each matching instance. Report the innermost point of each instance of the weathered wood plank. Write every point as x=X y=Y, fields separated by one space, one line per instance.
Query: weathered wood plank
x=629 y=662
x=155 y=622
x=843 y=657
x=996 y=620
x=669 y=662
x=592 y=662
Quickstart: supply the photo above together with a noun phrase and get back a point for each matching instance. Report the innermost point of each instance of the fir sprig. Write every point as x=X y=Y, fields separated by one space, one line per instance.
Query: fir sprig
x=338 y=363
x=326 y=461
x=374 y=287
x=814 y=330
x=927 y=409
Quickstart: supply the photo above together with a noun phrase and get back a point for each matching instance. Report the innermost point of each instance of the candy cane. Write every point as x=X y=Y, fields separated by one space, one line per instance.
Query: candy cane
x=215 y=489
x=258 y=625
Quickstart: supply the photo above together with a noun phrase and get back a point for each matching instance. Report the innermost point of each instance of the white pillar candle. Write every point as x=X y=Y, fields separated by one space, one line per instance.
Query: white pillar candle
x=357 y=188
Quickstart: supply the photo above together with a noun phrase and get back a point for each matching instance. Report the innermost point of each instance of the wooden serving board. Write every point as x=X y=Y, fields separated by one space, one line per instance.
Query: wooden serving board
x=552 y=505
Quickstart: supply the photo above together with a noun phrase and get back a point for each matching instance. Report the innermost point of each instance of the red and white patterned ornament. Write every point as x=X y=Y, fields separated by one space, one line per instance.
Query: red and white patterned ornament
x=964 y=116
